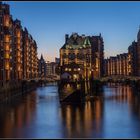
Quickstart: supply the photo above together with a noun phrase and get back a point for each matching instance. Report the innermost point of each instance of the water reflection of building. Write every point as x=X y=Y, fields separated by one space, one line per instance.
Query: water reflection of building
x=120 y=93
x=82 y=56
x=125 y=94
x=134 y=105
x=127 y=63
x=17 y=115
x=83 y=120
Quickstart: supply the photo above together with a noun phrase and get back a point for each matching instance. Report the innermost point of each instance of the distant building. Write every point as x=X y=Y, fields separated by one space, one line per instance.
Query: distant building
x=118 y=65
x=51 y=68
x=138 y=54
x=42 y=68
x=48 y=68
x=132 y=50
x=127 y=63
x=82 y=56
x=57 y=60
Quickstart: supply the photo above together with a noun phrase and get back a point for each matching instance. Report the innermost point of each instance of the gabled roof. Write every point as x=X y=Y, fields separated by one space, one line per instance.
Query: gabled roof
x=41 y=57
x=77 y=42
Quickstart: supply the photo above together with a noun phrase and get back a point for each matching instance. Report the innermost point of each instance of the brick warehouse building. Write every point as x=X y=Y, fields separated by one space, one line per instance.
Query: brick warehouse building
x=126 y=64
x=118 y=65
x=81 y=57
x=18 y=50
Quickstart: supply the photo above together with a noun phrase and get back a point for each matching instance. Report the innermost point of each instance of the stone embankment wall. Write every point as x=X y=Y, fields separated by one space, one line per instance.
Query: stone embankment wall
x=9 y=90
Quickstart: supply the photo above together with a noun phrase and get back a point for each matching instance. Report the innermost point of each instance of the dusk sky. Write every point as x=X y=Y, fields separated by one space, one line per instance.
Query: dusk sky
x=48 y=22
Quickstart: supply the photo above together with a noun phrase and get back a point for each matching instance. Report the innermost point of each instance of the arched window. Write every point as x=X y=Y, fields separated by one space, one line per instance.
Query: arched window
x=64 y=55
x=72 y=56
x=80 y=56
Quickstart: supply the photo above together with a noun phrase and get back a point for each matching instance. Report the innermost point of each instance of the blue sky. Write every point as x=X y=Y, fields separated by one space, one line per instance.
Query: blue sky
x=48 y=22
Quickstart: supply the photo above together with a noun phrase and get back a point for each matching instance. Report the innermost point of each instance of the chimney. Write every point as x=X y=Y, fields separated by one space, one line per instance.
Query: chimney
x=66 y=38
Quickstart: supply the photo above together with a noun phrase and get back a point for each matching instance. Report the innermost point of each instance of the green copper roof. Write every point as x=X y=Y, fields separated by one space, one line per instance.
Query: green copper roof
x=78 y=42
x=87 y=42
x=82 y=44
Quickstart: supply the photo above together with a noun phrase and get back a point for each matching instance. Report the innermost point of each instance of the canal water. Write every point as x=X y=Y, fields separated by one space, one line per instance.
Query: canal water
x=116 y=114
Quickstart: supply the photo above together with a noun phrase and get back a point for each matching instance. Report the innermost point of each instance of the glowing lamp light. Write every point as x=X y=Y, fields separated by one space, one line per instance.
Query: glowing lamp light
x=75 y=76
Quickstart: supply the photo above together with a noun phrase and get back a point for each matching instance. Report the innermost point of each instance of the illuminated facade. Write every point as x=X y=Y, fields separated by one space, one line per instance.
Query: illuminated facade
x=118 y=65
x=5 y=42
x=18 y=50
x=134 y=51
x=127 y=64
x=30 y=60
x=17 y=68
x=82 y=57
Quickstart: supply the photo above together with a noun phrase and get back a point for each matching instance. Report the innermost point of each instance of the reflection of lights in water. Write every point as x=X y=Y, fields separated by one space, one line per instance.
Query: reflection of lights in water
x=68 y=115
x=78 y=122
x=123 y=93
x=69 y=120
x=28 y=110
x=98 y=109
x=19 y=116
x=87 y=117
x=98 y=114
x=12 y=116
x=8 y=127
x=88 y=120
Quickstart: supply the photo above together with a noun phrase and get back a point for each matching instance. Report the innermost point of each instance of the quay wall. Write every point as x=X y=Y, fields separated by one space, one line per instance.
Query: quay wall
x=9 y=90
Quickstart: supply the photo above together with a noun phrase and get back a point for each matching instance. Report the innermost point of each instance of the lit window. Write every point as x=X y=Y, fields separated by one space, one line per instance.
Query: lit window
x=7 y=55
x=6 y=21
x=7 y=38
x=6 y=65
x=7 y=47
